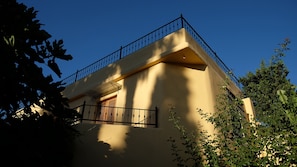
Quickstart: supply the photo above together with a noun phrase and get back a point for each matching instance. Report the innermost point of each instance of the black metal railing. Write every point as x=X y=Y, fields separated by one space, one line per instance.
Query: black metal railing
x=145 y=40
x=118 y=115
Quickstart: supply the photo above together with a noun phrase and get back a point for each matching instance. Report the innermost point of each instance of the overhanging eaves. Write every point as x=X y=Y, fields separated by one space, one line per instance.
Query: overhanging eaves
x=104 y=89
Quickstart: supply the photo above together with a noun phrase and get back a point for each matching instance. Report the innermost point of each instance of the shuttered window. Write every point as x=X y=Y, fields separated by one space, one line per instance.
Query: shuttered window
x=106 y=110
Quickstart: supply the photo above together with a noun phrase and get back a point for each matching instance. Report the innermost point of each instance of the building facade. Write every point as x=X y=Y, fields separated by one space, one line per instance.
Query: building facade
x=125 y=104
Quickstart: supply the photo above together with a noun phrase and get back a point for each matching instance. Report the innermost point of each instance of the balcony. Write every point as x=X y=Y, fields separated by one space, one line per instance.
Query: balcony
x=146 y=40
x=136 y=117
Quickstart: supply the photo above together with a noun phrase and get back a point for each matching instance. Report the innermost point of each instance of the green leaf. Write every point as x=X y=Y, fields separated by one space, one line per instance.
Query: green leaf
x=283 y=98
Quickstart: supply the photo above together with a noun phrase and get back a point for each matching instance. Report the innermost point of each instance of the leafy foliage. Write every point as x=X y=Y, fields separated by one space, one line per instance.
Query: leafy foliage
x=231 y=145
x=24 y=45
x=270 y=140
x=262 y=87
x=28 y=137
x=275 y=104
x=190 y=155
x=290 y=105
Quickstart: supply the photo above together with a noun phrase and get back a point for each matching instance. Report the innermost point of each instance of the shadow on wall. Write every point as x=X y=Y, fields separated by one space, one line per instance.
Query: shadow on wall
x=89 y=151
x=149 y=146
x=140 y=146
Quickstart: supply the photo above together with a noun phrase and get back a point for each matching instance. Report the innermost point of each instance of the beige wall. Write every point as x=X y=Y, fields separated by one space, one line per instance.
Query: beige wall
x=173 y=71
x=162 y=85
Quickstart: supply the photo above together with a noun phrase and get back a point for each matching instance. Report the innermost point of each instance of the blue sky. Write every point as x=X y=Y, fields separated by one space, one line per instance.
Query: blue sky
x=241 y=32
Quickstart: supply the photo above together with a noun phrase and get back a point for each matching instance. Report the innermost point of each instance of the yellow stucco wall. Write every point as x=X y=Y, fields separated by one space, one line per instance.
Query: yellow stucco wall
x=161 y=86
x=173 y=71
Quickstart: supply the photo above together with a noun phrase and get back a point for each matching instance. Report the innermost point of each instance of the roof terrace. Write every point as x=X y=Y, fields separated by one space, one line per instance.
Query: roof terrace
x=144 y=41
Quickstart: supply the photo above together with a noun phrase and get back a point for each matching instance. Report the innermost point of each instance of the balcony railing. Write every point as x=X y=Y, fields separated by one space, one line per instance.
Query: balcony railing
x=118 y=115
x=145 y=40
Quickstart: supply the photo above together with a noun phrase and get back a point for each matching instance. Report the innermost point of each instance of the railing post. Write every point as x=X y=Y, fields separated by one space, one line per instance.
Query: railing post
x=76 y=75
x=83 y=111
x=121 y=48
x=156 y=117
x=182 y=20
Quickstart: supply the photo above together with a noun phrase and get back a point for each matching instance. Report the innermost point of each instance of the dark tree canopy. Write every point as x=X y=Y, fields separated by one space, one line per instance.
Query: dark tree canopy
x=24 y=47
x=33 y=139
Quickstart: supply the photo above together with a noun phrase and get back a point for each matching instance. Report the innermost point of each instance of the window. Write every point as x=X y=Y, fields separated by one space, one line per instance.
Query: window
x=106 y=110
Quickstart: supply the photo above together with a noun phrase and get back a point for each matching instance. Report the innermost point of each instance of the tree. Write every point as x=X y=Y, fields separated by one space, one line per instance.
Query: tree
x=24 y=49
x=274 y=99
x=262 y=87
x=269 y=141
x=234 y=144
